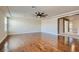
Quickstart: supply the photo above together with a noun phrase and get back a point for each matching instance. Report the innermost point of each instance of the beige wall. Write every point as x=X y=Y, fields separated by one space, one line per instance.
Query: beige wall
x=50 y=26
x=29 y=25
x=75 y=23
x=24 y=25
x=3 y=34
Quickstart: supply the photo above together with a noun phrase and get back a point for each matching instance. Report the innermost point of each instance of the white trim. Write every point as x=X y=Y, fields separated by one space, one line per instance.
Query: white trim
x=3 y=38
x=67 y=14
x=22 y=33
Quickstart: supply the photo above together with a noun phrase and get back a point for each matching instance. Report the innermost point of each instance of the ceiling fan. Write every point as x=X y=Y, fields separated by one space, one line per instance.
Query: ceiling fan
x=40 y=14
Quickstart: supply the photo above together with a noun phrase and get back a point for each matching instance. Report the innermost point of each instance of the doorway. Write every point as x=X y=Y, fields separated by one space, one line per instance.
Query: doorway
x=64 y=28
x=63 y=25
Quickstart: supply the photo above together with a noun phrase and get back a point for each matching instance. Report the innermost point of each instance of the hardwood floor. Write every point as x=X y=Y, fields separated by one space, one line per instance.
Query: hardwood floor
x=40 y=42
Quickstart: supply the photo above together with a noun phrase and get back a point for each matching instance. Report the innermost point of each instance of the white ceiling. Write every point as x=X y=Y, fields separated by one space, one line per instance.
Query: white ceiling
x=27 y=11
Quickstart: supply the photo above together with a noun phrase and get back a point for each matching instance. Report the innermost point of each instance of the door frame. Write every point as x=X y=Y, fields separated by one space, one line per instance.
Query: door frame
x=64 y=19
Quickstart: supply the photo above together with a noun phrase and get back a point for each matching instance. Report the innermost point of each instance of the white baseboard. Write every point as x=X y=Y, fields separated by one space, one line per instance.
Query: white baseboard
x=22 y=33
x=3 y=38
x=50 y=33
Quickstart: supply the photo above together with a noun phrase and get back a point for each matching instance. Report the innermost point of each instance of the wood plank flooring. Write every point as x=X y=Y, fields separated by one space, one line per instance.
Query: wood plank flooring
x=40 y=42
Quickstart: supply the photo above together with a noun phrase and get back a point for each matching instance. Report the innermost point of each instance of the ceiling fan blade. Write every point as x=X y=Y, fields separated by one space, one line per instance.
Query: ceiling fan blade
x=44 y=15
x=41 y=13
